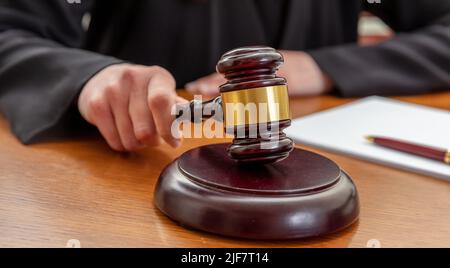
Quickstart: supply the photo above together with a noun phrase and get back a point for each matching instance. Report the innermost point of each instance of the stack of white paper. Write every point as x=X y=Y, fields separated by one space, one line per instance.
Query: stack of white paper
x=343 y=130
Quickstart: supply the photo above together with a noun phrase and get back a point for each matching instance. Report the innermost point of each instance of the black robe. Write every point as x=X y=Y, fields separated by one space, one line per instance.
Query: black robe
x=46 y=55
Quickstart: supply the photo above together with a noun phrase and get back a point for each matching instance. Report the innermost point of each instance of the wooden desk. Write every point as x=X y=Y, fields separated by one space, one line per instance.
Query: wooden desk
x=79 y=189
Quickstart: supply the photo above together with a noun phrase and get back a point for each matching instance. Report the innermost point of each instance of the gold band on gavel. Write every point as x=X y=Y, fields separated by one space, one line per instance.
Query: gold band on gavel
x=255 y=106
x=447 y=157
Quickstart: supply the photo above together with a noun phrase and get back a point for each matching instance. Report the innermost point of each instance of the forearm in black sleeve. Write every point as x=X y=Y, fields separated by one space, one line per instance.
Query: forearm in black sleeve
x=415 y=61
x=42 y=65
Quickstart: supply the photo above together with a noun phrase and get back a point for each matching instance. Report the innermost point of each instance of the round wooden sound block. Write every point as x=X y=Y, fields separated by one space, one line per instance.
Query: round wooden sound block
x=302 y=196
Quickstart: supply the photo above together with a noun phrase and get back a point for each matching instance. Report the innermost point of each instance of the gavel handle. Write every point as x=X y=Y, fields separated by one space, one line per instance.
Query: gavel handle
x=212 y=105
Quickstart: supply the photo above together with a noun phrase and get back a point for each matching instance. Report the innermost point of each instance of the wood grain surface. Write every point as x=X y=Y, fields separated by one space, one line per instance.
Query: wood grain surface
x=80 y=189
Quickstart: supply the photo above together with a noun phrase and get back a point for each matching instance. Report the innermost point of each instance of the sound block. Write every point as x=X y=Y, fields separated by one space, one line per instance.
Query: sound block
x=305 y=195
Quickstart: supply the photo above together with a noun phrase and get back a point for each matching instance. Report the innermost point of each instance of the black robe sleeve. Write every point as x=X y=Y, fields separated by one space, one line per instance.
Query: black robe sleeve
x=416 y=61
x=42 y=65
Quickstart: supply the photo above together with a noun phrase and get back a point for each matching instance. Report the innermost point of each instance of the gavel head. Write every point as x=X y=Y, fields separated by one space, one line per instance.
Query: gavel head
x=255 y=105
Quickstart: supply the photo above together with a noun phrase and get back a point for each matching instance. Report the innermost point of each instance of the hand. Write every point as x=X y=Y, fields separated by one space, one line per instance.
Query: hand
x=207 y=86
x=131 y=106
x=301 y=71
x=303 y=74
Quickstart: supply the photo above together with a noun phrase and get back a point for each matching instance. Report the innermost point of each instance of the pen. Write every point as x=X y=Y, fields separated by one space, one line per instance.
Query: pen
x=438 y=154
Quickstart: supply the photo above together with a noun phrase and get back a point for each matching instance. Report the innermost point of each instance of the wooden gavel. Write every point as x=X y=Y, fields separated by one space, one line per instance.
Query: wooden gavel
x=254 y=103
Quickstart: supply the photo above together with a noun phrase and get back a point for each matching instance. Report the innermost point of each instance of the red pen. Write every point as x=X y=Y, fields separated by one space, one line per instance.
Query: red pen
x=434 y=153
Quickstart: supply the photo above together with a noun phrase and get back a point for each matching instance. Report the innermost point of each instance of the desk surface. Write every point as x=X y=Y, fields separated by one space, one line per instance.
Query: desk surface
x=79 y=189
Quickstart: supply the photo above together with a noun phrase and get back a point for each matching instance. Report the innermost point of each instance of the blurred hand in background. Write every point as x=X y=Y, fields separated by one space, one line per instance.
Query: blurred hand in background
x=301 y=71
x=131 y=105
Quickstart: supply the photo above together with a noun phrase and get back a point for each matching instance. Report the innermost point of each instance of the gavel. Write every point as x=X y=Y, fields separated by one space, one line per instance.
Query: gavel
x=252 y=193
x=253 y=104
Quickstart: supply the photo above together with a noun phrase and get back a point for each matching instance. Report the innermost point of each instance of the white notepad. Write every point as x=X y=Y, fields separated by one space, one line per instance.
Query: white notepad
x=343 y=129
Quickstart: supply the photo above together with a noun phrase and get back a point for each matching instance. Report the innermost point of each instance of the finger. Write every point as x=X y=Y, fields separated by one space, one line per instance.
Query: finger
x=208 y=85
x=103 y=119
x=141 y=117
x=161 y=98
x=204 y=87
x=119 y=100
